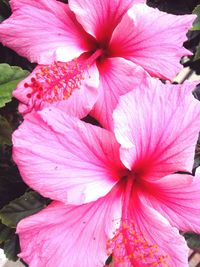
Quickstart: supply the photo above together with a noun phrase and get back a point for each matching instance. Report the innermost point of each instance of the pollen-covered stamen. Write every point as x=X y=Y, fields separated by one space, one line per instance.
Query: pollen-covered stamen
x=59 y=80
x=56 y=82
x=130 y=246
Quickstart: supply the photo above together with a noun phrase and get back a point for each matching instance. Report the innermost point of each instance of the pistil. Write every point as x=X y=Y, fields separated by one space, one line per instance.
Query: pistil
x=57 y=82
x=130 y=246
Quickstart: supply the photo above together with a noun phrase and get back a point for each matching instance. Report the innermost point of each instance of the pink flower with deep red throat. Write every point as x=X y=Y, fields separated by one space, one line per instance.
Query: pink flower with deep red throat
x=118 y=192
x=113 y=38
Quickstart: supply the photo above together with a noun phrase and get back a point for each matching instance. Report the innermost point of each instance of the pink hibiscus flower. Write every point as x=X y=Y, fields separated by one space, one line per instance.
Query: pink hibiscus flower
x=112 y=37
x=118 y=192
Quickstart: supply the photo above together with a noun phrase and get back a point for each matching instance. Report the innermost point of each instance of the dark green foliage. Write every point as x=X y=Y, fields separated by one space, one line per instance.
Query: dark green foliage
x=19 y=208
x=196 y=27
x=193 y=240
x=11 y=184
x=12 y=248
x=5 y=233
x=22 y=207
x=5 y=131
x=196 y=24
x=178 y=7
x=5 y=10
x=197 y=54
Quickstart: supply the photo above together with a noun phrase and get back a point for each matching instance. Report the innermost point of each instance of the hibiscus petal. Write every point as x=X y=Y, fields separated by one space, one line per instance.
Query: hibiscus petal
x=78 y=104
x=177 y=198
x=157 y=126
x=66 y=235
x=100 y=18
x=152 y=39
x=66 y=159
x=117 y=77
x=146 y=239
x=41 y=28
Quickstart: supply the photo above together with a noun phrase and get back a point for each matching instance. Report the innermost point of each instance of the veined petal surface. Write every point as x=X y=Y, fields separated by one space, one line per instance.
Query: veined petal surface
x=177 y=198
x=67 y=235
x=66 y=159
x=152 y=39
x=37 y=29
x=157 y=126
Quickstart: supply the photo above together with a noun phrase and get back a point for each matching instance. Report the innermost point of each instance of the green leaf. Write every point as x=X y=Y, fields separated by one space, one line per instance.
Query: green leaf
x=22 y=207
x=196 y=23
x=5 y=131
x=1 y=18
x=5 y=233
x=12 y=248
x=10 y=76
x=197 y=54
x=193 y=240
x=5 y=2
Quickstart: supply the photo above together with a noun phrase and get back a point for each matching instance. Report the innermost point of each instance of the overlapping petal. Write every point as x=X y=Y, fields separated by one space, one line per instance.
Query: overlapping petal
x=177 y=198
x=39 y=30
x=152 y=39
x=117 y=77
x=146 y=239
x=101 y=18
x=66 y=159
x=157 y=126
x=66 y=235
x=78 y=104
